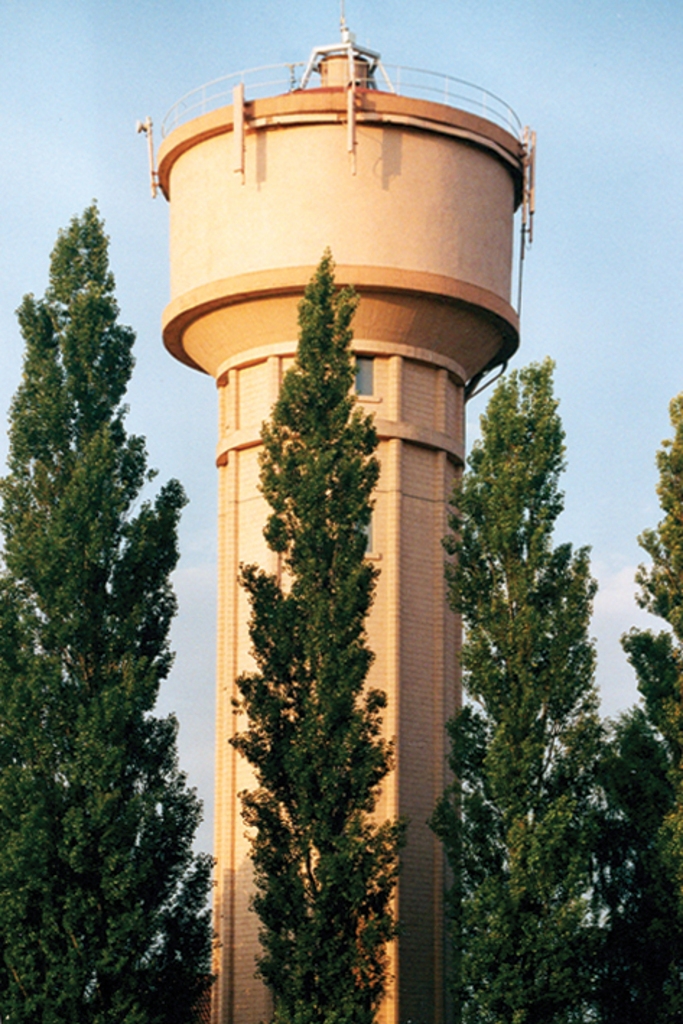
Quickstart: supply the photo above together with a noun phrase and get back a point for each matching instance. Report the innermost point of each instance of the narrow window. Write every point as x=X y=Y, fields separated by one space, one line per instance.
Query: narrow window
x=367 y=531
x=369 y=547
x=365 y=375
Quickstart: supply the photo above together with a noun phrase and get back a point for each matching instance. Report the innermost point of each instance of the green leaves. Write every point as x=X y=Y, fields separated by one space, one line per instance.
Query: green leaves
x=661 y=584
x=324 y=872
x=102 y=915
x=518 y=823
x=658 y=659
x=641 y=852
x=642 y=940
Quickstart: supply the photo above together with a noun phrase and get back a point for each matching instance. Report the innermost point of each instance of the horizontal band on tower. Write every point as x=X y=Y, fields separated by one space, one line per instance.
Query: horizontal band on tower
x=448 y=298
x=250 y=437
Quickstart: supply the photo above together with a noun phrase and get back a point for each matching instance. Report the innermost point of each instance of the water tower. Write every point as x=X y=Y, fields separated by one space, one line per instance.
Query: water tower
x=415 y=197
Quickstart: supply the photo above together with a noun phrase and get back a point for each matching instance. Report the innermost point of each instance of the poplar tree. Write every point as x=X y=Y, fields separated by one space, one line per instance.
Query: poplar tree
x=642 y=879
x=102 y=902
x=640 y=962
x=518 y=822
x=324 y=870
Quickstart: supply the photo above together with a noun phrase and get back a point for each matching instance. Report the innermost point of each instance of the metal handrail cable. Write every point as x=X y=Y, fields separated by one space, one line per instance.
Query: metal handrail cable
x=407 y=81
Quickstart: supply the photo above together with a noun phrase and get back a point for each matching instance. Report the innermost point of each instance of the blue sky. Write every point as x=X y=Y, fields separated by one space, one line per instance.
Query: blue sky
x=601 y=82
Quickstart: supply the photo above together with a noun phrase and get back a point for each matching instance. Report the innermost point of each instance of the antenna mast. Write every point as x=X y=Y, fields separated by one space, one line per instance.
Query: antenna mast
x=528 y=205
x=145 y=128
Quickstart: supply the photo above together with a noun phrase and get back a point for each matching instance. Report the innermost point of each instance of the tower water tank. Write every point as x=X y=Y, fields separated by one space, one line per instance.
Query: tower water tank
x=415 y=197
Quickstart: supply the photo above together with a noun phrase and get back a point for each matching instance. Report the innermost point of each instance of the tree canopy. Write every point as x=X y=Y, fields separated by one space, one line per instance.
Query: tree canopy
x=641 y=857
x=324 y=870
x=102 y=902
x=519 y=822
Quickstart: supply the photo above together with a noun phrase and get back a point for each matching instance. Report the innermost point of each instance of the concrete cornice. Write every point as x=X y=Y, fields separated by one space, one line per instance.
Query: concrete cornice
x=283 y=281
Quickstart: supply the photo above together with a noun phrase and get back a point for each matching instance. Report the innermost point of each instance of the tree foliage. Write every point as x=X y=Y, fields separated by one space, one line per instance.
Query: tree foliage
x=102 y=903
x=519 y=821
x=324 y=870
x=642 y=853
x=641 y=952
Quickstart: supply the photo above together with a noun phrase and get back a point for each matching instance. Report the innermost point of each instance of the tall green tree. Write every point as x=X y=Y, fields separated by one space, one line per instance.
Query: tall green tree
x=102 y=902
x=518 y=821
x=642 y=856
x=640 y=961
x=324 y=871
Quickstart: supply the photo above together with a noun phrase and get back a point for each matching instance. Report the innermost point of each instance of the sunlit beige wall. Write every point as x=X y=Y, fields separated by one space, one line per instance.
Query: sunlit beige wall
x=406 y=181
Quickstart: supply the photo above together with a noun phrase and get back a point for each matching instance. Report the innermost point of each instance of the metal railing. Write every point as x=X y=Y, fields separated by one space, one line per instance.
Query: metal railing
x=454 y=92
x=272 y=79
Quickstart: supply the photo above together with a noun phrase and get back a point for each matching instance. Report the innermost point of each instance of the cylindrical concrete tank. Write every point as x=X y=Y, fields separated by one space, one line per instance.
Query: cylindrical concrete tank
x=416 y=201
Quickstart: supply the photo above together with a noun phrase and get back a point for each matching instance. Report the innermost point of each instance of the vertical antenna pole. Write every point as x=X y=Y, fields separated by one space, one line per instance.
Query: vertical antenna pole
x=238 y=130
x=528 y=204
x=350 y=100
x=351 y=115
x=145 y=127
x=528 y=187
x=532 y=186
